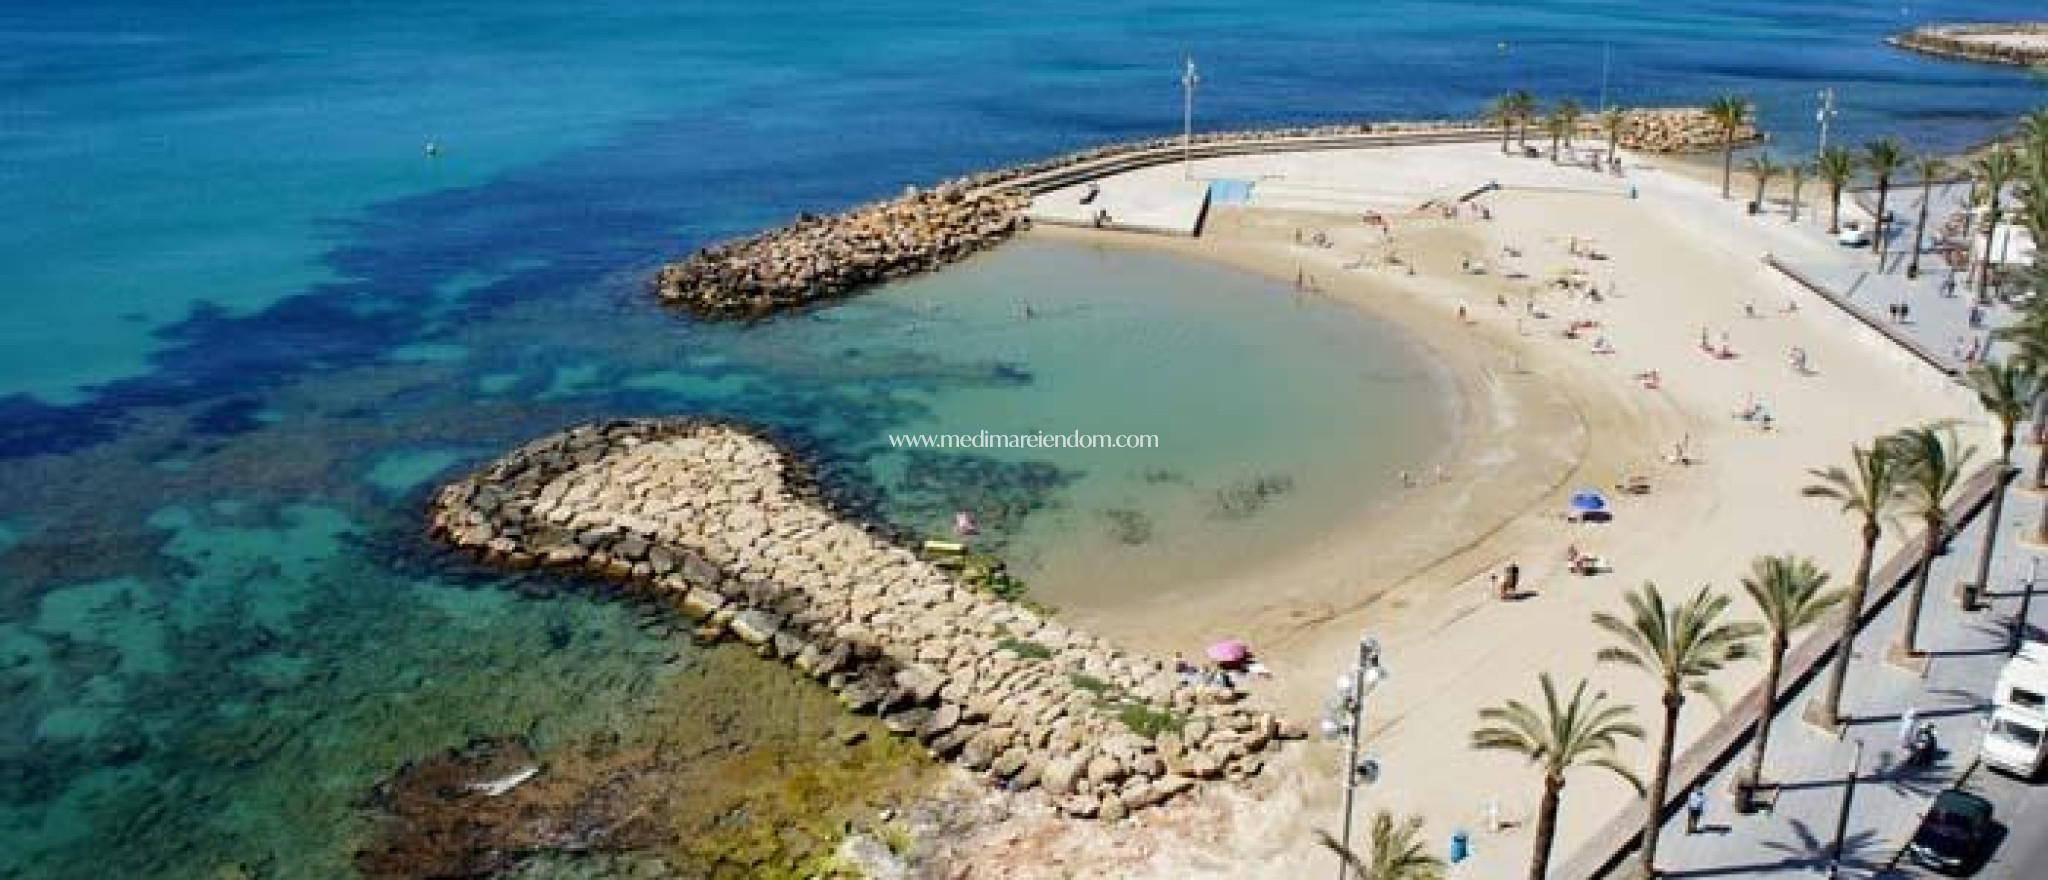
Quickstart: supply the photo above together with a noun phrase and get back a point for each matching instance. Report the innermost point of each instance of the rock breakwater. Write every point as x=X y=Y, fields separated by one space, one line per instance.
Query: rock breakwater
x=1677 y=130
x=721 y=522
x=820 y=258
x=2022 y=44
x=823 y=257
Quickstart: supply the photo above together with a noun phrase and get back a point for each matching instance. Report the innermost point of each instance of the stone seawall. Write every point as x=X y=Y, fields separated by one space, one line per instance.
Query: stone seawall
x=721 y=522
x=1678 y=130
x=2021 y=44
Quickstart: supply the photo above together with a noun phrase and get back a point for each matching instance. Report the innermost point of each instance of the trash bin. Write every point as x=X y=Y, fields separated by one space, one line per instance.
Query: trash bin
x=1461 y=846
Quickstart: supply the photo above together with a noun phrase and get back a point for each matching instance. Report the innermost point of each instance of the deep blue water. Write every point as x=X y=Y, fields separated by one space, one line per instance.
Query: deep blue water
x=244 y=321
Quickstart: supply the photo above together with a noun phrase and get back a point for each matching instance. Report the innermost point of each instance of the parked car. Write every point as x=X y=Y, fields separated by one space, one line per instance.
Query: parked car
x=1853 y=234
x=1952 y=836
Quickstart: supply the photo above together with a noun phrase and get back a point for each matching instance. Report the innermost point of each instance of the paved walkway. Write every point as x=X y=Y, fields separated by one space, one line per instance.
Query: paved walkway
x=1967 y=649
x=1796 y=836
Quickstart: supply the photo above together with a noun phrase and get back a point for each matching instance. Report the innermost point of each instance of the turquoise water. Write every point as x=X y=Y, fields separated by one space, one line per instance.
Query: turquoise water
x=245 y=323
x=1275 y=415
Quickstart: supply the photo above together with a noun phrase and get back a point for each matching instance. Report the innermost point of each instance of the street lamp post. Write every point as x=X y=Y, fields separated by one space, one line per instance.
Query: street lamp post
x=2019 y=621
x=1824 y=115
x=1188 y=81
x=1347 y=715
x=1842 y=818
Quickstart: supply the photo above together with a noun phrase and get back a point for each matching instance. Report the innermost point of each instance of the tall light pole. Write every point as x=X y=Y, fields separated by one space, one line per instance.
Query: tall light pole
x=1188 y=81
x=1842 y=818
x=2019 y=622
x=1347 y=714
x=1824 y=115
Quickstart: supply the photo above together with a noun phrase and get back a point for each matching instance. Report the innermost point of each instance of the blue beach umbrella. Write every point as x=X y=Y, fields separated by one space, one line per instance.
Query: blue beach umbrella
x=1587 y=502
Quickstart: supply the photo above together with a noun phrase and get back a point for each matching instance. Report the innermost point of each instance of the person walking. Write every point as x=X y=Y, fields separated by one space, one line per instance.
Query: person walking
x=1695 y=809
x=1909 y=723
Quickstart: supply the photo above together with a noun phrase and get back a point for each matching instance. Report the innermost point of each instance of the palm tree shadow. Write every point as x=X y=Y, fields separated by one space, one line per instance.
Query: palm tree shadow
x=1809 y=850
x=1805 y=852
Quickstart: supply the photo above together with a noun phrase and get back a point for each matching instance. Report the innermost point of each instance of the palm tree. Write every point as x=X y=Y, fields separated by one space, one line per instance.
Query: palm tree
x=1868 y=493
x=1559 y=736
x=1927 y=168
x=1397 y=851
x=1502 y=112
x=1523 y=106
x=1570 y=112
x=1788 y=594
x=1681 y=645
x=1884 y=157
x=1612 y=120
x=2008 y=390
x=2029 y=339
x=1763 y=169
x=1836 y=165
x=2034 y=137
x=1555 y=126
x=1729 y=112
x=1932 y=468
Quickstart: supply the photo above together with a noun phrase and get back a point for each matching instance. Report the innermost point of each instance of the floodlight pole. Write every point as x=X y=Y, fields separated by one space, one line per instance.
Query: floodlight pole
x=1362 y=680
x=1188 y=81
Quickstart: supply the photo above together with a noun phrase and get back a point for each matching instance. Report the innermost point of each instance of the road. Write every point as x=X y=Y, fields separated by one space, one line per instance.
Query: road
x=2022 y=809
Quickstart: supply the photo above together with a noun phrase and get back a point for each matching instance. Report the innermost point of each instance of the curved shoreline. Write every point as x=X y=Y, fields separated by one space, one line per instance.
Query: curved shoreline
x=1484 y=398
x=1681 y=259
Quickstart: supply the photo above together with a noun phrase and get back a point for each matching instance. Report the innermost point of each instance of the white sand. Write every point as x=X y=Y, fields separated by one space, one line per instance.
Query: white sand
x=1681 y=259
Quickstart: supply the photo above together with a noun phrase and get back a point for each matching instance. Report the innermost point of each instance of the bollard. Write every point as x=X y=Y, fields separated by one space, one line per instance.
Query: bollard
x=1461 y=846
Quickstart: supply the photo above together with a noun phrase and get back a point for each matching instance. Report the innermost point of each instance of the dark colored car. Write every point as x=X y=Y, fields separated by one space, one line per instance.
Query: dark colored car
x=1952 y=835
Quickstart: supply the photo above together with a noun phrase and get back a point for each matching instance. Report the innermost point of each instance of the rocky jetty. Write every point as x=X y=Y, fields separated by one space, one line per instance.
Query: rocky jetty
x=825 y=257
x=1677 y=130
x=822 y=257
x=721 y=522
x=2022 y=44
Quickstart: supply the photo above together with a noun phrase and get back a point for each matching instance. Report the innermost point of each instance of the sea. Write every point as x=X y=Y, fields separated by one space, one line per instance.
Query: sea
x=270 y=272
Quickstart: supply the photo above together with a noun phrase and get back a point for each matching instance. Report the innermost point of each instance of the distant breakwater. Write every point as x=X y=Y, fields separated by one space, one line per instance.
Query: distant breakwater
x=2021 y=44
x=823 y=257
x=721 y=522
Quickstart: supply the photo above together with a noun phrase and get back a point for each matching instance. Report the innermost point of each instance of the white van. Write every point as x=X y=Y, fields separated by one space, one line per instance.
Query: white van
x=2015 y=737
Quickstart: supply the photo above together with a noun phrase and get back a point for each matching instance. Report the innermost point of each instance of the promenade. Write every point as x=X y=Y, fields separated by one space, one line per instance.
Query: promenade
x=1796 y=832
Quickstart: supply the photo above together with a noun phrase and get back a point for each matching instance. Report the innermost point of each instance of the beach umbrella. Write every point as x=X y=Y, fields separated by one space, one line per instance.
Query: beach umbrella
x=1588 y=501
x=1229 y=651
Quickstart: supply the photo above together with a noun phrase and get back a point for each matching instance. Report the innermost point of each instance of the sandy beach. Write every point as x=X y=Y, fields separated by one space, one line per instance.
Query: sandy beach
x=1542 y=415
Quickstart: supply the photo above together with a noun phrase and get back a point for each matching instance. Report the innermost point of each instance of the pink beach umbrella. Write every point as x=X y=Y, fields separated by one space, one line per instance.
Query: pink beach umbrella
x=1229 y=651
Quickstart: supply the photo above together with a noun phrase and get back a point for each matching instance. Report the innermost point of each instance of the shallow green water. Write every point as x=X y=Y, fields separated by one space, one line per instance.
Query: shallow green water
x=1277 y=416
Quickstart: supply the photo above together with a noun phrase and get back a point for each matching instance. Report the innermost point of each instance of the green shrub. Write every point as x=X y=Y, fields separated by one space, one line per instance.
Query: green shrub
x=1089 y=683
x=1146 y=721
